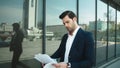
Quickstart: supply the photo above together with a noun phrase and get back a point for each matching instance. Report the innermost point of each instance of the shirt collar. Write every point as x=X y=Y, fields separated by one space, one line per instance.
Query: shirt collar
x=74 y=33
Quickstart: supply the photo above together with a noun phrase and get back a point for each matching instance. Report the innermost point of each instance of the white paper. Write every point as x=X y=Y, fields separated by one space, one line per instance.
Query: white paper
x=49 y=65
x=44 y=58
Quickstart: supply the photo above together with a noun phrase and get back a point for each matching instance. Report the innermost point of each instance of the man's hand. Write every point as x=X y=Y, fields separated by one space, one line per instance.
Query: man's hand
x=42 y=64
x=61 y=65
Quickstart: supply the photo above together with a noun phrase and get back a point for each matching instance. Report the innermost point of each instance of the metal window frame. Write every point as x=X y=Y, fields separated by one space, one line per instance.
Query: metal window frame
x=44 y=28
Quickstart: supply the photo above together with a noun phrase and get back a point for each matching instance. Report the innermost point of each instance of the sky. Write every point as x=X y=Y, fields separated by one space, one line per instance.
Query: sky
x=55 y=7
x=11 y=10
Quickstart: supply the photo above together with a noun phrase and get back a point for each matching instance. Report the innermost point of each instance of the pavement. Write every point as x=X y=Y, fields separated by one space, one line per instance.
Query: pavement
x=112 y=64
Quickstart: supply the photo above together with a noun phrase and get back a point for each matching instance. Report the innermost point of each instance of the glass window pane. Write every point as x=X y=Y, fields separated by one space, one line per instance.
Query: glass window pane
x=86 y=11
x=55 y=28
x=111 y=32
x=28 y=13
x=118 y=34
x=101 y=31
x=10 y=12
x=87 y=15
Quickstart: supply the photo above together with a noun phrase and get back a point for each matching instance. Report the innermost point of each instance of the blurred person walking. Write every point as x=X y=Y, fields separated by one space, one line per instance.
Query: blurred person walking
x=16 y=44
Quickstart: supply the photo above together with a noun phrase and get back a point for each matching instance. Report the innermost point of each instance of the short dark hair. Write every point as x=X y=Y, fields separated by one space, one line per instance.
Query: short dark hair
x=16 y=25
x=69 y=13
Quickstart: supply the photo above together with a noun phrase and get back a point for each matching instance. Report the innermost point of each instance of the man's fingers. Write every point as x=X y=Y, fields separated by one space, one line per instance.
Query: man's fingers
x=56 y=65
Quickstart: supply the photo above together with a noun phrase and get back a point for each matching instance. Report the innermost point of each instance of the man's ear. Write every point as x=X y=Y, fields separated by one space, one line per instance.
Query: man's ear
x=74 y=19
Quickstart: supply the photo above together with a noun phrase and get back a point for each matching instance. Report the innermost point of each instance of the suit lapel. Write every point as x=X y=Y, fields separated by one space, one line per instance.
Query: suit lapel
x=78 y=39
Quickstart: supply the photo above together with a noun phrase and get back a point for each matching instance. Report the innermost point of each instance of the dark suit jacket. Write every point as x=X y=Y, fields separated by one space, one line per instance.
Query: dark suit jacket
x=16 y=41
x=82 y=51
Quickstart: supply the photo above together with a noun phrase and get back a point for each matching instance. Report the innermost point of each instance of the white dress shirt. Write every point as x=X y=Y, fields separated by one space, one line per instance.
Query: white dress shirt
x=69 y=44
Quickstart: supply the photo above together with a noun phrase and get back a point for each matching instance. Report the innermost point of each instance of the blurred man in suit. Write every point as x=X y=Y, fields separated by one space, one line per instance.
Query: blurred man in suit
x=16 y=44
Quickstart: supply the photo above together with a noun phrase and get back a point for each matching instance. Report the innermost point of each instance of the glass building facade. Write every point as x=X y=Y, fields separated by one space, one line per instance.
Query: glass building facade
x=101 y=17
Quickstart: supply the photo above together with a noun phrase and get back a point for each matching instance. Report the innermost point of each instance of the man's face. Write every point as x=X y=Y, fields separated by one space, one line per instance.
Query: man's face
x=69 y=23
x=15 y=29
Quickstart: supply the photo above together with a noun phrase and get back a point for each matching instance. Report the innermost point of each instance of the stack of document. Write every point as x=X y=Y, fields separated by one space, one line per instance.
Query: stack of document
x=45 y=59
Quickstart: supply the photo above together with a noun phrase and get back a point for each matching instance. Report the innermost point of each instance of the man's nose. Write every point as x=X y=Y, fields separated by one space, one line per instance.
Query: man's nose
x=65 y=25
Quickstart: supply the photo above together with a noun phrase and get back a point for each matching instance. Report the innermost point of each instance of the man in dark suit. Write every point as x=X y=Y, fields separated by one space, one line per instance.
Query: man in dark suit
x=77 y=46
x=16 y=44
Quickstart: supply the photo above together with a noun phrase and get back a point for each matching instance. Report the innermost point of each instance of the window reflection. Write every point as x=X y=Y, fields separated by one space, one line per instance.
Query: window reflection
x=55 y=28
x=111 y=32
x=12 y=12
x=118 y=34
x=101 y=31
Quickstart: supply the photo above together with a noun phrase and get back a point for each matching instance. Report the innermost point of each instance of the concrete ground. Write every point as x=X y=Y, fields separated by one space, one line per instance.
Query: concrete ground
x=112 y=64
